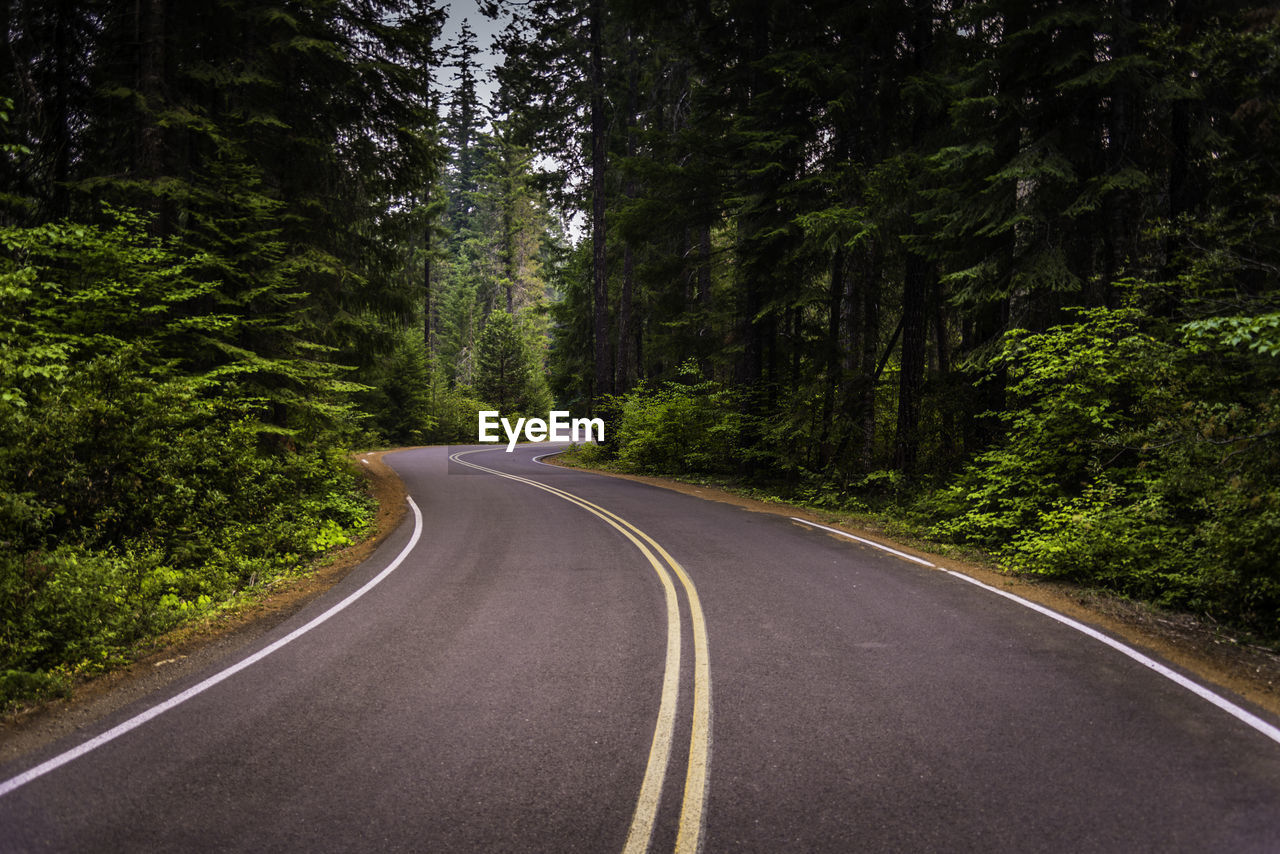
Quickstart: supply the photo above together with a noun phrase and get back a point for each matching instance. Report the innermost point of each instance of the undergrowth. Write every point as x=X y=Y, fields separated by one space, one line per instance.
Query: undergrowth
x=1138 y=456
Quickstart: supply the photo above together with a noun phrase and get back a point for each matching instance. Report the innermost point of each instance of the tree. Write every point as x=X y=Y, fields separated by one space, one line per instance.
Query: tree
x=503 y=364
x=462 y=129
x=553 y=77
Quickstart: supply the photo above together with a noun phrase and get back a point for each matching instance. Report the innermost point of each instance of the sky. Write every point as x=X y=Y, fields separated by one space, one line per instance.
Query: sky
x=485 y=30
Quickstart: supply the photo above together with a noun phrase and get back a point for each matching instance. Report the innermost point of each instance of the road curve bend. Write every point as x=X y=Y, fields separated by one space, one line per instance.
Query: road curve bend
x=527 y=664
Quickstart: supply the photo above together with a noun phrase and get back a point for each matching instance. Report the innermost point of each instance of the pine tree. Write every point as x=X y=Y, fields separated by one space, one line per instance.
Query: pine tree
x=503 y=364
x=462 y=128
x=553 y=79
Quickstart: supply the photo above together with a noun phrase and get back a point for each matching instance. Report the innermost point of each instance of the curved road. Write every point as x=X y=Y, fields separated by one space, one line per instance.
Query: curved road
x=582 y=663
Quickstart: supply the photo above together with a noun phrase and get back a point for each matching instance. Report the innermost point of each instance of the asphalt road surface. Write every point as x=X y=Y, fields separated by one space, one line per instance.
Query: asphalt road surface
x=553 y=661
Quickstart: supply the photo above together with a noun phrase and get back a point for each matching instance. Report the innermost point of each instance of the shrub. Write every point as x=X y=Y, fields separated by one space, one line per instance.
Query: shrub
x=129 y=502
x=1144 y=463
x=677 y=428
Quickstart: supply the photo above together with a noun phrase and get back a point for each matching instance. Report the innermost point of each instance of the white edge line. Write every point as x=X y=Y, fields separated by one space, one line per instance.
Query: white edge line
x=1199 y=690
x=538 y=458
x=871 y=543
x=155 y=711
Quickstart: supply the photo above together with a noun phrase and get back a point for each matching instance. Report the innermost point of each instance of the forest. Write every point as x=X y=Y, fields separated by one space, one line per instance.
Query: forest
x=1004 y=272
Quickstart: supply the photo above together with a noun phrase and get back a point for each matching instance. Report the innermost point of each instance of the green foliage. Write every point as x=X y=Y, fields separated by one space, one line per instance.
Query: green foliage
x=1078 y=392
x=869 y=224
x=821 y=228
x=505 y=372
x=198 y=515
x=456 y=411
x=203 y=217
x=72 y=291
x=677 y=427
x=140 y=485
x=400 y=392
x=1133 y=462
x=413 y=403
x=16 y=685
x=1258 y=333
x=498 y=257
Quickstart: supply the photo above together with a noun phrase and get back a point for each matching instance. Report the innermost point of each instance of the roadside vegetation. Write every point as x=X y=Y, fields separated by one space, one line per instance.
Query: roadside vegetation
x=142 y=480
x=1003 y=271
x=236 y=241
x=1128 y=465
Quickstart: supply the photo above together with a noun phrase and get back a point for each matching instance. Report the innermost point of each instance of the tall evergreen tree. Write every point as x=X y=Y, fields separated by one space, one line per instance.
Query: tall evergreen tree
x=503 y=364
x=463 y=128
x=553 y=82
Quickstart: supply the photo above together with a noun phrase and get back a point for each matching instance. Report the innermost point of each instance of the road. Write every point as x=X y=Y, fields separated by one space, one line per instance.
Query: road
x=554 y=661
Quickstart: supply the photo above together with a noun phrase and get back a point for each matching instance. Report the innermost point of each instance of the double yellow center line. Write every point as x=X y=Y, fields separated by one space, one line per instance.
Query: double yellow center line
x=693 y=807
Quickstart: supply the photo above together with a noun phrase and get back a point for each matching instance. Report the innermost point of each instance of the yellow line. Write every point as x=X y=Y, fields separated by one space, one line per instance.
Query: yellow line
x=693 y=807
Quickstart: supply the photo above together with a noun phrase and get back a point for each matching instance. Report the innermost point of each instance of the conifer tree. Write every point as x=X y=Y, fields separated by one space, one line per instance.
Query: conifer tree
x=463 y=127
x=503 y=364
x=553 y=80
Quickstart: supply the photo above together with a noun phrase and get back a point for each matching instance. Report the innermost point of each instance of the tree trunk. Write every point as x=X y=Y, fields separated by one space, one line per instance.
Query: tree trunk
x=915 y=291
x=599 y=288
x=151 y=59
x=704 y=299
x=835 y=311
x=509 y=270
x=623 y=377
x=942 y=349
x=1180 y=194
x=1120 y=131
x=150 y=85
x=916 y=282
x=60 y=121
x=426 y=280
x=860 y=322
x=866 y=399
x=794 y=336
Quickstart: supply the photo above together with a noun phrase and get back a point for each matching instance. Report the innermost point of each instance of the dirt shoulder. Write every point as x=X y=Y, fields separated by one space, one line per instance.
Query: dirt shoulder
x=1197 y=648
x=194 y=646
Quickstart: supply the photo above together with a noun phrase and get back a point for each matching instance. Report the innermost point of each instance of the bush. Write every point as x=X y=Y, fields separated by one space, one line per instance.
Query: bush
x=677 y=428
x=1141 y=462
x=1079 y=395
x=18 y=685
x=1132 y=544
x=129 y=502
